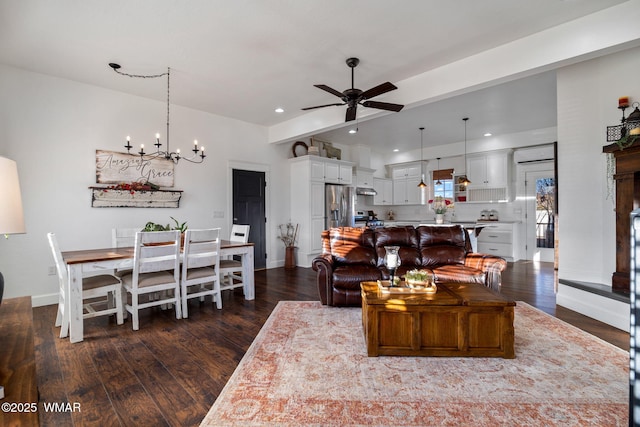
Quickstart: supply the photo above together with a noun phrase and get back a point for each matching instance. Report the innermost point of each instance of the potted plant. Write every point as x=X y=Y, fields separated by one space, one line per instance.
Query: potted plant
x=421 y=279
x=182 y=227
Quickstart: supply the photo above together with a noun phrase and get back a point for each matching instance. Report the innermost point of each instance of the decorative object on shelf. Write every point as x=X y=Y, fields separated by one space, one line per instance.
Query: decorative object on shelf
x=198 y=151
x=11 y=214
x=392 y=261
x=332 y=152
x=105 y=197
x=421 y=279
x=289 y=235
x=628 y=131
x=465 y=180
x=299 y=148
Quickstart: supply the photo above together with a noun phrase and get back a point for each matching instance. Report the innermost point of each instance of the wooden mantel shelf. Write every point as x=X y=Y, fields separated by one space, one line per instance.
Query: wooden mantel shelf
x=104 y=197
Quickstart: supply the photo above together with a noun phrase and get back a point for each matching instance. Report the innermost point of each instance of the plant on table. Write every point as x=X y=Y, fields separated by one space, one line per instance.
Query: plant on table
x=440 y=205
x=152 y=226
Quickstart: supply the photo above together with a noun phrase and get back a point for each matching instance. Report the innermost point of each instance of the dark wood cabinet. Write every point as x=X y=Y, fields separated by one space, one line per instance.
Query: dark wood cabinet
x=627 y=177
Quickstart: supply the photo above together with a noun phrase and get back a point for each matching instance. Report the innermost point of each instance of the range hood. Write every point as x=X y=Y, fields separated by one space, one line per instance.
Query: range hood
x=364 y=191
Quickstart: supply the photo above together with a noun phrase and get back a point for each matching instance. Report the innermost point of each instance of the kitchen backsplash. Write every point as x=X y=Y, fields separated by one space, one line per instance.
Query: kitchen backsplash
x=461 y=212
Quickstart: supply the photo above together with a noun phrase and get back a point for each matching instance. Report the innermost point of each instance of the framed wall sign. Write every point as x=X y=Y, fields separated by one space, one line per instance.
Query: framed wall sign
x=113 y=167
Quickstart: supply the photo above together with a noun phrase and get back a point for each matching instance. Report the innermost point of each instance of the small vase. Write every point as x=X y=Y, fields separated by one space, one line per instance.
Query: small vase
x=439 y=218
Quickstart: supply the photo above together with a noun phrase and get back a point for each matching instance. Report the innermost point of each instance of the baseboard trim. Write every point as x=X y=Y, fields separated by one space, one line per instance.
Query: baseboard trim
x=607 y=310
x=42 y=300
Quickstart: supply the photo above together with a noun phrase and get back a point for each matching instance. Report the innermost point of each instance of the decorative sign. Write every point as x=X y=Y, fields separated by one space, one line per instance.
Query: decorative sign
x=110 y=198
x=113 y=167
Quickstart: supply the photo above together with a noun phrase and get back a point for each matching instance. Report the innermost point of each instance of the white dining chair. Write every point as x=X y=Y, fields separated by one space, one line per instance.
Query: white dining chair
x=156 y=271
x=101 y=294
x=123 y=237
x=200 y=267
x=231 y=269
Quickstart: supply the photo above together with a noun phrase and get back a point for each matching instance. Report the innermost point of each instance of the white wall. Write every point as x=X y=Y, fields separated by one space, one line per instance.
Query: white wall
x=587 y=103
x=52 y=127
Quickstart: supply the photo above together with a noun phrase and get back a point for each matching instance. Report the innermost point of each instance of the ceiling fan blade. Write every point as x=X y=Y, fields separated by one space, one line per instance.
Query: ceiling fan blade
x=330 y=90
x=321 y=106
x=378 y=90
x=383 y=105
x=351 y=114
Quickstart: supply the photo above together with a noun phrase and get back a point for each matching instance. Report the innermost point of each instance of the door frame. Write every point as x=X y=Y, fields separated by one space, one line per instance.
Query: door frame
x=532 y=169
x=254 y=167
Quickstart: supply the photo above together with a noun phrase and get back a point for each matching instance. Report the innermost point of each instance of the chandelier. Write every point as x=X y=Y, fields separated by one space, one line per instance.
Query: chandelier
x=198 y=151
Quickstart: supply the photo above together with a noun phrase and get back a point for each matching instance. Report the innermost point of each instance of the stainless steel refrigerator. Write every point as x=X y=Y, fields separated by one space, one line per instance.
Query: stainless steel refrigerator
x=339 y=206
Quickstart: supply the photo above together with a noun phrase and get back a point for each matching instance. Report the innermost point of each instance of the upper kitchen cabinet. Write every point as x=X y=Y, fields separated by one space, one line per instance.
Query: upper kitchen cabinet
x=384 y=190
x=338 y=172
x=329 y=171
x=406 y=178
x=490 y=176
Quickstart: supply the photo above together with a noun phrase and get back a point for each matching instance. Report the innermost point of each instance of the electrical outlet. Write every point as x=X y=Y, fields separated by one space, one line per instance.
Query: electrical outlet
x=52 y=271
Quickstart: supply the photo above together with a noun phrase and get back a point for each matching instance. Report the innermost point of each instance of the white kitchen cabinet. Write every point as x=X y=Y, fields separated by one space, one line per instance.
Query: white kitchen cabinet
x=406 y=178
x=307 y=184
x=497 y=238
x=338 y=172
x=490 y=176
x=384 y=188
x=411 y=170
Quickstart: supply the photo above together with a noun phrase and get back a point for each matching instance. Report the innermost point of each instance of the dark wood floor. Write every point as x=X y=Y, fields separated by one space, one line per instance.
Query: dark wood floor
x=170 y=372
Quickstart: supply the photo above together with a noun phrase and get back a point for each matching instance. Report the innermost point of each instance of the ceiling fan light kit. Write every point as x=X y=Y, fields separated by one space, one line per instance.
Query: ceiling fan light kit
x=353 y=96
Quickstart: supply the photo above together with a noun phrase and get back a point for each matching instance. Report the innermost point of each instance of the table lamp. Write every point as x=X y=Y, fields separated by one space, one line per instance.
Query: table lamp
x=11 y=217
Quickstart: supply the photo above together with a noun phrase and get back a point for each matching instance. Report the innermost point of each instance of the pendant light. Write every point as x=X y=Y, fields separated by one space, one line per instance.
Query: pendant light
x=465 y=181
x=438 y=182
x=422 y=184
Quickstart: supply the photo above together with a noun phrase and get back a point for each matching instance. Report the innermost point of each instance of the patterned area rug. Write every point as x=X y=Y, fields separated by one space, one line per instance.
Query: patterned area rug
x=309 y=366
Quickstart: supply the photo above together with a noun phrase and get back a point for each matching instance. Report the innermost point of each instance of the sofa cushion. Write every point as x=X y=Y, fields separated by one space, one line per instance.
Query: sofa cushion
x=441 y=245
x=405 y=237
x=457 y=273
x=351 y=245
x=349 y=277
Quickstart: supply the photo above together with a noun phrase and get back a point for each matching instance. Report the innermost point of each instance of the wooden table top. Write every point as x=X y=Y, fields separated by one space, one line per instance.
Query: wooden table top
x=469 y=294
x=107 y=254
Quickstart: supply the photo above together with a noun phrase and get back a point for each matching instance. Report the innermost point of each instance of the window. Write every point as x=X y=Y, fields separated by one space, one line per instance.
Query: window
x=443 y=183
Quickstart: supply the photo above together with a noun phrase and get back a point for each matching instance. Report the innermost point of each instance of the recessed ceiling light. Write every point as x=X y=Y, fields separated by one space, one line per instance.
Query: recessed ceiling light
x=352 y=131
x=488 y=134
x=279 y=110
x=395 y=150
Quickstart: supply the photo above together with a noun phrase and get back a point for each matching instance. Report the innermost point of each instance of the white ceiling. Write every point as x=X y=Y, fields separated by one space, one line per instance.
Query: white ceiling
x=243 y=58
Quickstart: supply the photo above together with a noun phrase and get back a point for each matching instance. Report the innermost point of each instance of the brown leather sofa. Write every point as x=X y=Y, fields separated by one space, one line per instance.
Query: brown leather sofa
x=353 y=255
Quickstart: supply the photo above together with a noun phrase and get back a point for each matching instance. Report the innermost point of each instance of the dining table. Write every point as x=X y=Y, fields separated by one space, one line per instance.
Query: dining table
x=81 y=262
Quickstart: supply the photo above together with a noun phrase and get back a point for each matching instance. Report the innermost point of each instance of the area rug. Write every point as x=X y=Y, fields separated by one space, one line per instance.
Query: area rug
x=309 y=366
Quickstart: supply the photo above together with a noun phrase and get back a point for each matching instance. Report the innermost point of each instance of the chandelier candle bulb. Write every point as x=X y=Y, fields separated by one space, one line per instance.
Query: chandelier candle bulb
x=623 y=102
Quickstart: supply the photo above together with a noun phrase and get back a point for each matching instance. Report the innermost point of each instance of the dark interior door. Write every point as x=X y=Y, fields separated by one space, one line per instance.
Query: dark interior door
x=248 y=208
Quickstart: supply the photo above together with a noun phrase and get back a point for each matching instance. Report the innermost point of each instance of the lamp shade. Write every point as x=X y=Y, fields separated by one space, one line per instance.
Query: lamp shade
x=11 y=217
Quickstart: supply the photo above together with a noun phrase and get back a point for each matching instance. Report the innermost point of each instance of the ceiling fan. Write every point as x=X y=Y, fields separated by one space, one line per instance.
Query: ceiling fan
x=352 y=97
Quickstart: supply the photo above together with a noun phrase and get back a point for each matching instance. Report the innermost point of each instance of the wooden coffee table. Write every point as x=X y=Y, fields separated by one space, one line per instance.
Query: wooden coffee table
x=460 y=319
